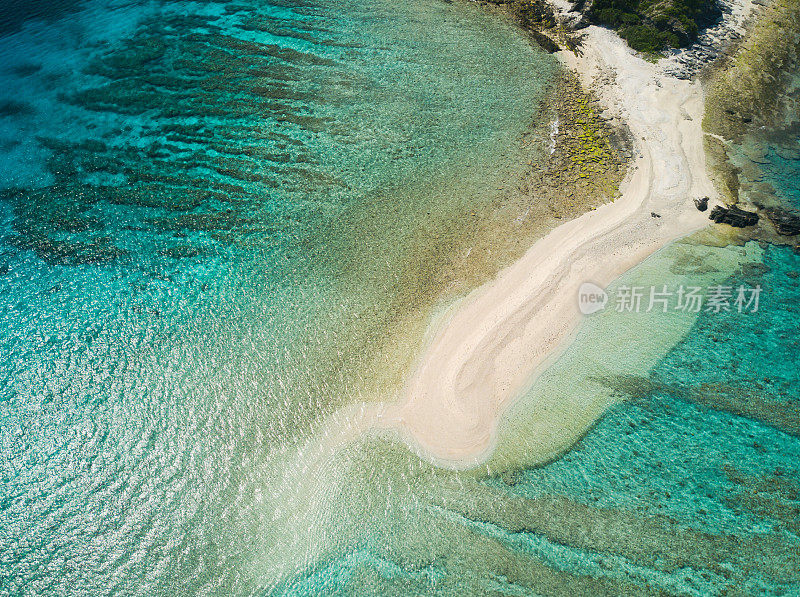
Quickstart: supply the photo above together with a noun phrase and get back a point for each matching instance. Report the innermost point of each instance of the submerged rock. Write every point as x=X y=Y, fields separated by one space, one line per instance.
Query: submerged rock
x=733 y=216
x=99 y=251
x=786 y=222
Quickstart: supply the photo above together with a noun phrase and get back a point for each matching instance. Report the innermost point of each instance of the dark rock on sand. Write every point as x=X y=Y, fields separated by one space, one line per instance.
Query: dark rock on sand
x=733 y=216
x=701 y=204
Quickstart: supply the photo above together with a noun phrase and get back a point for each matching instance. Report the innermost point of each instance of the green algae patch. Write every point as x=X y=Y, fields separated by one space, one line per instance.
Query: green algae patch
x=590 y=154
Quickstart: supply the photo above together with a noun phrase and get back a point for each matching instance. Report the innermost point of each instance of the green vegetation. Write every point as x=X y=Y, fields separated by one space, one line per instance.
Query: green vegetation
x=654 y=25
x=593 y=152
x=750 y=91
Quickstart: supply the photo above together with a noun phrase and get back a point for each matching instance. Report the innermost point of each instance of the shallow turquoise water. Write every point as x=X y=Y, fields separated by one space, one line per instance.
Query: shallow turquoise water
x=688 y=486
x=259 y=205
x=208 y=214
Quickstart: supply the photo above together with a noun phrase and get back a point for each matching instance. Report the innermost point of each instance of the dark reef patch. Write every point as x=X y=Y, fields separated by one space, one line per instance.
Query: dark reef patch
x=198 y=110
x=12 y=108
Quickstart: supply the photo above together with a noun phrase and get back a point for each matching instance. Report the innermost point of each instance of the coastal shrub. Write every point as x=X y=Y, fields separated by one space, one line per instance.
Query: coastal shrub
x=655 y=25
x=644 y=38
x=614 y=17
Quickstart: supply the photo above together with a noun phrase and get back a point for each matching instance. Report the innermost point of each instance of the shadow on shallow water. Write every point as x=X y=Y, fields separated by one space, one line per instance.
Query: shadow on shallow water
x=687 y=486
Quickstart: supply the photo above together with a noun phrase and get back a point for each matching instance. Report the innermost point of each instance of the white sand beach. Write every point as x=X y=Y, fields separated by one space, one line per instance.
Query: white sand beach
x=486 y=350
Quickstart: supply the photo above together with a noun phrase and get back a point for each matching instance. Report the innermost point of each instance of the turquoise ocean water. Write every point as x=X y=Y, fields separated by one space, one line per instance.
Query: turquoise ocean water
x=216 y=213
x=213 y=214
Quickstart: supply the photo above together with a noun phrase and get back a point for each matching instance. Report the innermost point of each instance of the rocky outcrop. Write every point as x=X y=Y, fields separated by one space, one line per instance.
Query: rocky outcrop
x=711 y=43
x=733 y=216
x=539 y=18
x=547 y=44
x=786 y=222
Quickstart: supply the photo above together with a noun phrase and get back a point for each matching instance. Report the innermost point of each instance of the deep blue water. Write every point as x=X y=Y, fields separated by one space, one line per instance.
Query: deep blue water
x=15 y=13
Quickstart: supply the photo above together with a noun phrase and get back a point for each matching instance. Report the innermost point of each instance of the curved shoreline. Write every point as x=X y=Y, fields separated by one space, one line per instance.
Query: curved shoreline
x=484 y=351
x=485 y=354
